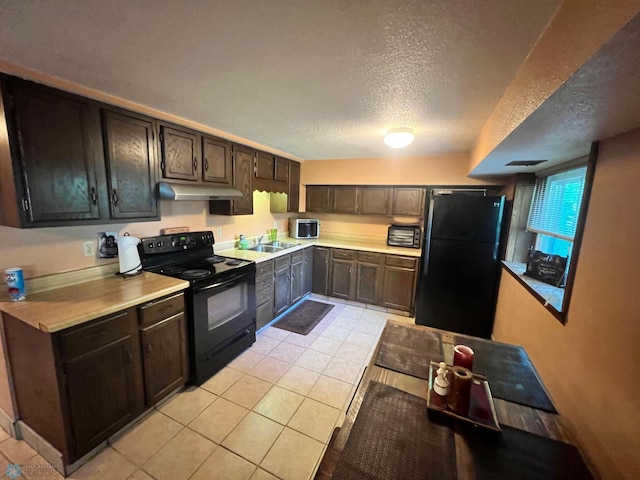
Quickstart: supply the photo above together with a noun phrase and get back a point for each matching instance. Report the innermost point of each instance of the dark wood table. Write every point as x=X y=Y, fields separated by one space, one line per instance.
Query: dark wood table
x=521 y=417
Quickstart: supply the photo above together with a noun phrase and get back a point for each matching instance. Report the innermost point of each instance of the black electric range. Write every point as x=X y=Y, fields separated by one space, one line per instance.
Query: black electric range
x=220 y=302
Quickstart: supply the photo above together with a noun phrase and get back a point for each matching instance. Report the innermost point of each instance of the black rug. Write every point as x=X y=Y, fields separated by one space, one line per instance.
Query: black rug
x=511 y=374
x=304 y=317
x=409 y=351
x=392 y=438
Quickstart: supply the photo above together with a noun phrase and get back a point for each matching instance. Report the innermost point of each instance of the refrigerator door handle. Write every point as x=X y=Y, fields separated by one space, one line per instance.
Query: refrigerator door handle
x=496 y=249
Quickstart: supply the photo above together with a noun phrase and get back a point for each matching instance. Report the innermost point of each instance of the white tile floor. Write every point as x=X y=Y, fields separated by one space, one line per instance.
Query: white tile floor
x=268 y=415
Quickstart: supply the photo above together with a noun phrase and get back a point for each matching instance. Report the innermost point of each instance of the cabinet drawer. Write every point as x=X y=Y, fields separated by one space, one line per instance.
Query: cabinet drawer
x=343 y=254
x=264 y=269
x=297 y=257
x=94 y=336
x=264 y=286
x=157 y=310
x=396 y=261
x=369 y=257
x=282 y=262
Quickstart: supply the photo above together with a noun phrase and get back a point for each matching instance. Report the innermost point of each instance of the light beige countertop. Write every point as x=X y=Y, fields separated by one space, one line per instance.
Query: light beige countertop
x=59 y=308
x=378 y=246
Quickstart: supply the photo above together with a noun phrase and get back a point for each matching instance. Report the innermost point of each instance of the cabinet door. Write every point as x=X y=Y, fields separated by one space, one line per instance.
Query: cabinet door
x=373 y=200
x=368 y=283
x=265 y=165
x=297 y=281
x=57 y=139
x=320 y=282
x=408 y=201
x=216 y=161
x=164 y=353
x=179 y=154
x=242 y=173
x=131 y=165
x=282 y=290
x=103 y=379
x=344 y=200
x=317 y=198
x=398 y=288
x=342 y=285
x=308 y=270
x=264 y=314
x=281 y=173
x=293 y=198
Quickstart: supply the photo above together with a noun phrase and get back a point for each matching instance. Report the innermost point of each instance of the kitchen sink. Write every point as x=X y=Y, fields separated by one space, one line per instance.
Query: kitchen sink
x=283 y=244
x=266 y=248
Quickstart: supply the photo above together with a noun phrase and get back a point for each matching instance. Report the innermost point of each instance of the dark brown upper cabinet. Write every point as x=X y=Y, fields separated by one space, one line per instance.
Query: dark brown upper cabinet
x=131 y=165
x=281 y=173
x=216 y=161
x=179 y=153
x=344 y=199
x=243 y=163
x=293 y=198
x=317 y=198
x=65 y=164
x=265 y=165
x=408 y=201
x=366 y=200
x=57 y=155
x=374 y=200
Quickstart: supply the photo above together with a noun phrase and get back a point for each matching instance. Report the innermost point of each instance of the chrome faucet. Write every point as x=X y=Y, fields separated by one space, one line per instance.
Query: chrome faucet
x=260 y=239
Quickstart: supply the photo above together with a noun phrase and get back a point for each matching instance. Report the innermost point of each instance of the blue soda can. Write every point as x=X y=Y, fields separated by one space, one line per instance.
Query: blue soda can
x=15 y=283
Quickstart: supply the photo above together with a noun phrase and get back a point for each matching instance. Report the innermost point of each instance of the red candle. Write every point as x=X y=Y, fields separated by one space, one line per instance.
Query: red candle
x=463 y=356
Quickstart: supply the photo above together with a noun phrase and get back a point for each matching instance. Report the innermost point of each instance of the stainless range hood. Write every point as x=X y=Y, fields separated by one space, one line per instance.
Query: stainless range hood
x=176 y=191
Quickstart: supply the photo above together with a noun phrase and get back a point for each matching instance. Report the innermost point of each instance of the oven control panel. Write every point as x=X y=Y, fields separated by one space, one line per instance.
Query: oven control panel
x=176 y=242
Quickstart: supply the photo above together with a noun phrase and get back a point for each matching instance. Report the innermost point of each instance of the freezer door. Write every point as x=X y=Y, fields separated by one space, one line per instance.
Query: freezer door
x=458 y=217
x=457 y=287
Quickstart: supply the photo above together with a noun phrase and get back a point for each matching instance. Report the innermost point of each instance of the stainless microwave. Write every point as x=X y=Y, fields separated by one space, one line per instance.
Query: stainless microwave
x=404 y=236
x=304 y=228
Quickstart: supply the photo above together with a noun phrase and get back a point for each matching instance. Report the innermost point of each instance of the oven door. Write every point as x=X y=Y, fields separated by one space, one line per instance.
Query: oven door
x=222 y=324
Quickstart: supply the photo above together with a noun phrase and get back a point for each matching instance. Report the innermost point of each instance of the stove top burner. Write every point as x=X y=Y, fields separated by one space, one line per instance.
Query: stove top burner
x=171 y=270
x=233 y=262
x=193 y=274
x=215 y=259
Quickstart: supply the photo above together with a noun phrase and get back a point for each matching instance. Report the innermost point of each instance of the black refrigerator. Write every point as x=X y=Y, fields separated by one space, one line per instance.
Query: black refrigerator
x=458 y=281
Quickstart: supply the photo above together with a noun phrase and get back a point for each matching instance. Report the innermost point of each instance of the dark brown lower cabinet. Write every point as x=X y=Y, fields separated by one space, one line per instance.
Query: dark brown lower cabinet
x=101 y=401
x=320 y=280
x=264 y=293
x=342 y=278
x=399 y=283
x=308 y=270
x=282 y=284
x=297 y=277
x=77 y=387
x=368 y=277
x=164 y=356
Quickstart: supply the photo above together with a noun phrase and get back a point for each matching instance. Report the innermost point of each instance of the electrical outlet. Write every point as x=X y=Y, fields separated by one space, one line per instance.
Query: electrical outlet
x=219 y=232
x=89 y=249
x=275 y=224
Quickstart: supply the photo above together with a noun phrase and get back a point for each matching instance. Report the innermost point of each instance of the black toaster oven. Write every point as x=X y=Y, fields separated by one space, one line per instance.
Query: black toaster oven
x=404 y=236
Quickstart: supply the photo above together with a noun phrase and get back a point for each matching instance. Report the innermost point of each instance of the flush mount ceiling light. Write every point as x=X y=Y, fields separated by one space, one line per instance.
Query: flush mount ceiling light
x=399 y=137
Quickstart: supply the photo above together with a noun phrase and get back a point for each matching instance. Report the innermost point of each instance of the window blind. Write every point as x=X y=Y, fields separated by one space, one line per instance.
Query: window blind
x=556 y=204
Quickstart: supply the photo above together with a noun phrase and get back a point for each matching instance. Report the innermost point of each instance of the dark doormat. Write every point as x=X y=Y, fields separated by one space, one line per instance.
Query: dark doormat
x=304 y=317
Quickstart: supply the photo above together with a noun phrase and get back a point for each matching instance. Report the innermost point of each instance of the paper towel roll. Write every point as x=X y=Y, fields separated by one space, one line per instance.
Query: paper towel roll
x=128 y=255
x=459 y=390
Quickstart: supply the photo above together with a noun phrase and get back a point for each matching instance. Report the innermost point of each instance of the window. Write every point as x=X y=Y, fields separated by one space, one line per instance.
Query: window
x=553 y=224
x=555 y=210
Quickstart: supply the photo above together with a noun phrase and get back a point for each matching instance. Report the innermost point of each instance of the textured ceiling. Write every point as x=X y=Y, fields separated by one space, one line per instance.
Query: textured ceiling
x=315 y=79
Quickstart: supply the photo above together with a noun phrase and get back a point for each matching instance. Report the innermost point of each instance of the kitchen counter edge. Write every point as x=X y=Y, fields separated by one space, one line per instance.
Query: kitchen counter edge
x=60 y=308
x=319 y=242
